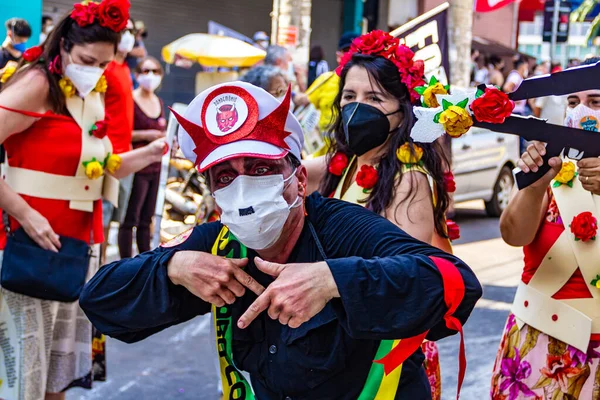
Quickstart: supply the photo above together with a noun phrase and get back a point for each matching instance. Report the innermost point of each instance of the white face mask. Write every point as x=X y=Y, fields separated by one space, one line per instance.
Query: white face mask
x=149 y=81
x=84 y=77
x=127 y=42
x=254 y=209
x=583 y=117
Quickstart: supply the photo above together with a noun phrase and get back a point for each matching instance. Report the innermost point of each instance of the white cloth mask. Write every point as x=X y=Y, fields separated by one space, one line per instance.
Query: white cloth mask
x=254 y=209
x=84 y=77
x=583 y=117
x=127 y=42
x=149 y=81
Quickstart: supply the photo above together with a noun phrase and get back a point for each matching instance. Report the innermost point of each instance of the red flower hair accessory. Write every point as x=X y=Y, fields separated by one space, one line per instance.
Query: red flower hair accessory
x=382 y=44
x=111 y=14
x=453 y=230
x=449 y=182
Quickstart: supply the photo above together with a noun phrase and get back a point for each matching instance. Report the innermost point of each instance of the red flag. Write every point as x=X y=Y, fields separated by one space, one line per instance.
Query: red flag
x=490 y=5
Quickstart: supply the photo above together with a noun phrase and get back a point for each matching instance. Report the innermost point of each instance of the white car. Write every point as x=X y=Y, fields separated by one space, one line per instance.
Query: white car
x=482 y=163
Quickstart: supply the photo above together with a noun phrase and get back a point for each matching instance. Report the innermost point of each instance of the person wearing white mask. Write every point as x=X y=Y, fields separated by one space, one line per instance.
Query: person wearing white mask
x=59 y=166
x=119 y=113
x=303 y=288
x=149 y=124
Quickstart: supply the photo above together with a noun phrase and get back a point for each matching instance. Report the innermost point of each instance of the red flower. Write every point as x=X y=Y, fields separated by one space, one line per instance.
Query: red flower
x=55 y=66
x=449 y=182
x=367 y=177
x=99 y=129
x=113 y=14
x=584 y=226
x=32 y=53
x=453 y=230
x=374 y=42
x=558 y=368
x=404 y=56
x=338 y=164
x=84 y=15
x=493 y=106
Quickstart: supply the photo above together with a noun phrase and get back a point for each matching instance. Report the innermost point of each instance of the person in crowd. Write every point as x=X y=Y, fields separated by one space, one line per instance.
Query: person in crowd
x=513 y=81
x=59 y=166
x=47 y=26
x=269 y=78
x=317 y=65
x=119 y=117
x=139 y=49
x=261 y=39
x=18 y=32
x=327 y=271
x=550 y=345
x=496 y=65
x=551 y=108
x=280 y=57
x=573 y=62
x=149 y=124
x=482 y=73
x=392 y=176
x=474 y=56
x=323 y=91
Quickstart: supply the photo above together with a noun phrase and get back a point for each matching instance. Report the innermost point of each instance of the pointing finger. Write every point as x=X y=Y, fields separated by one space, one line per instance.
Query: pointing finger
x=246 y=280
x=259 y=305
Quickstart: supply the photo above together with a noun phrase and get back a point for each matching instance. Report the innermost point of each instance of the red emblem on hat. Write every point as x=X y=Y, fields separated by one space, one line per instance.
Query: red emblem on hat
x=230 y=114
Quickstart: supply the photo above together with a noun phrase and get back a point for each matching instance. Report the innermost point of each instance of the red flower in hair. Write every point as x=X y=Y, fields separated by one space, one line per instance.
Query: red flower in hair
x=338 y=163
x=449 y=182
x=55 y=66
x=404 y=56
x=32 y=53
x=374 y=42
x=493 y=106
x=453 y=230
x=114 y=14
x=84 y=14
x=367 y=177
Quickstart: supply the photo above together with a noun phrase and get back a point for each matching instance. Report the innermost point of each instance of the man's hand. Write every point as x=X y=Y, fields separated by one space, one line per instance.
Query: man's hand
x=298 y=293
x=214 y=279
x=589 y=174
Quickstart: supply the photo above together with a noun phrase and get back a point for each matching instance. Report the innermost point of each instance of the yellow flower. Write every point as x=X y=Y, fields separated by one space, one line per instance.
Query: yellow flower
x=113 y=163
x=93 y=169
x=567 y=172
x=405 y=155
x=8 y=72
x=429 y=98
x=67 y=87
x=102 y=85
x=598 y=284
x=456 y=121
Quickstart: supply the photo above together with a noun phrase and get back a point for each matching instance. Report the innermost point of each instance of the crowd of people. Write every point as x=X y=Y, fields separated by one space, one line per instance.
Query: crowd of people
x=318 y=265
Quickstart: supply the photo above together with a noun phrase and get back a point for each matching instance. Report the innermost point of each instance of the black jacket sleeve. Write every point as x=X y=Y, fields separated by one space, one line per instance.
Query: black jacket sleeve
x=134 y=298
x=390 y=286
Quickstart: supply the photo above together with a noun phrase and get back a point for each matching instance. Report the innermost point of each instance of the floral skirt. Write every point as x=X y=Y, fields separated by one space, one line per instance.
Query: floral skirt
x=533 y=365
x=432 y=368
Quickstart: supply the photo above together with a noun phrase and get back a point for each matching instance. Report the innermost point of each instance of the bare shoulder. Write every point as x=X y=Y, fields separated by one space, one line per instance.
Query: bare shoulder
x=416 y=182
x=29 y=92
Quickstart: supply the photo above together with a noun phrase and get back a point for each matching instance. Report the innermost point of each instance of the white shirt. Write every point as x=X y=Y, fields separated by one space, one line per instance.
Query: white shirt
x=553 y=108
x=516 y=79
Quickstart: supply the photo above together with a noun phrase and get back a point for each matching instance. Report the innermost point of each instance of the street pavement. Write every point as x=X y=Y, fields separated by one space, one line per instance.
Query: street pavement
x=179 y=363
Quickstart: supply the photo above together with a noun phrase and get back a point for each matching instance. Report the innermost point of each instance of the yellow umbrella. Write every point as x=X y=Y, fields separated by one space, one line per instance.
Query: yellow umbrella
x=213 y=51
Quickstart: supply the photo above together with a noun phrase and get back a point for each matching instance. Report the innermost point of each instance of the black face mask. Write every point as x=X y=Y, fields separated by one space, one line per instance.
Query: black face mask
x=365 y=126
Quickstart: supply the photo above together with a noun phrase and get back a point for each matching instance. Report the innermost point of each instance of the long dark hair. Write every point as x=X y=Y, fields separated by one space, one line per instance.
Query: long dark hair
x=70 y=34
x=385 y=74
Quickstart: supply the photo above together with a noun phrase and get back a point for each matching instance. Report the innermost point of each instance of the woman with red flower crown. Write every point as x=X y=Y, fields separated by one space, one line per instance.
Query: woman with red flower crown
x=374 y=163
x=550 y=348
x=58 y=168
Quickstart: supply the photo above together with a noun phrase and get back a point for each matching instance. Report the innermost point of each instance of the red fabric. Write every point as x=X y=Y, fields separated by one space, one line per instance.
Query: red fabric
x=490 y=5
x=119 y=106
x=53 y=145
x=454 y=292
x=534 y=253
x=528 y=9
